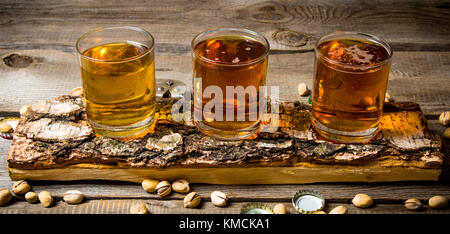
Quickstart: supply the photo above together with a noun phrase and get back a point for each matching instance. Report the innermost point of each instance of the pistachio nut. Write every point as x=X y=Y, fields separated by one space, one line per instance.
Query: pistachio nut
x=413 y=204
x=444 y=118
x=31 y=197
x=362 y=201
x=163 y=188
x=21 y=187
x=5 y=196
x=388 y=98
x=279 y=209
x=192 y=200
x=45 y=198
x=338 y=210
x=438 y=202
x=139 y=209
x=149 y=185
x=446 y=133
x=181 y=186
x=73 y=197
x=219 y=198
x=319 y=212
x=303 y=89
x=5 y=127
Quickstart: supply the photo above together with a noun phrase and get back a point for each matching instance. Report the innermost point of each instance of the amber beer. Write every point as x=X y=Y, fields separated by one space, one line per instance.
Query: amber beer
x=351 y=74
x=230 y=67
x=118 y=77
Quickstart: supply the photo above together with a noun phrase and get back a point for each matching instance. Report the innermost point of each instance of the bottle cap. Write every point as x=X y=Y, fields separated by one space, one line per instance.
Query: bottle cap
x=256 y=208
x=308 y=201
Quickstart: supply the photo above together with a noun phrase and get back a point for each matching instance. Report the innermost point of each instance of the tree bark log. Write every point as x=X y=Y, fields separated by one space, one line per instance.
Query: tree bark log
x=53 y=141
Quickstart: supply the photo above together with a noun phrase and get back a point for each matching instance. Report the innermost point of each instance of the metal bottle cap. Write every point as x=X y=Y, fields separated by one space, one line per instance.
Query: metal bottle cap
x=308 y=201
x=256 y=208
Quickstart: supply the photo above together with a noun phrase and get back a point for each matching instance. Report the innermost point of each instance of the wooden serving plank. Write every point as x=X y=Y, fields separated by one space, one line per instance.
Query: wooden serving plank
x=54 y=142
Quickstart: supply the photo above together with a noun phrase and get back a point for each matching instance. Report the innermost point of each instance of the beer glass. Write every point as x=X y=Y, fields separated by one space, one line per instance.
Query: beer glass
x=118 y=79
x=229 y=71
x=350 y=79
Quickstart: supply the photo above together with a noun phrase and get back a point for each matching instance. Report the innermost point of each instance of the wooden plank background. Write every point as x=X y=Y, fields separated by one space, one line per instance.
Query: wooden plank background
x=46 y=31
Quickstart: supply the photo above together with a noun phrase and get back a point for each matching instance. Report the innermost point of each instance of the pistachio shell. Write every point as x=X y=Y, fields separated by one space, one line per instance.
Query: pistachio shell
x=21 y=187
x=413 y=204
x=219 y=198
x=5 y=196
x=438 y=202
x=444 y=118
x=338 y=210
x=279 y=209
x=446 y=133
x=163 y=188
x=192 y=200
x=319 y=212
x=139 y=209
x=45 y=198
x=388 y=98
x=181 y=186
x=31 y=197
x=362 y=201
x=303 y=89
x=149 y=185
x=73 y=197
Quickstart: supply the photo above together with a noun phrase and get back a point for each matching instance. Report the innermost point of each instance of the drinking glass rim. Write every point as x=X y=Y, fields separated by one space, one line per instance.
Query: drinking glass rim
x=342 y=35
x=150 y=49
x=253 y=61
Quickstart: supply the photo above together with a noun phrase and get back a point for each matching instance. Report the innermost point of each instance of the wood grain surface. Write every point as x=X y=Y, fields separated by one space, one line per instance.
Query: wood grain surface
x=46 y=31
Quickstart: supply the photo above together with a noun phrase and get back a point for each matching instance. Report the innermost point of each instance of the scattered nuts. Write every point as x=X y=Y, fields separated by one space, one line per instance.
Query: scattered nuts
x=73 y=197
x=5 y=196
x=192 y=200
x=5 y=127
x=31 y=197
x=338 y=210
x=149 y=185
x=23 y=109
x=388 y=98
x=181 y=186
x=438 y=202
x=362 y=201
x=163 y=188
x=303 y=89
x=444 y=118
x=413 y=204
x=21 y=187
x=219 y=198
x=446 y=133
x=319 y=212
x=139 y=209
x=45 y=198
x=279 y=209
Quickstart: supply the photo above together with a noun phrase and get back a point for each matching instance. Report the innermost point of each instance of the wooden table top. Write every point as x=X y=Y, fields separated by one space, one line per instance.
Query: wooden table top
x=46 y=32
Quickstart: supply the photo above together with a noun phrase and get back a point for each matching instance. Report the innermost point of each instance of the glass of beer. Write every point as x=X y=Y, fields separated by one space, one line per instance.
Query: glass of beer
x=118 y=78
x=350 y=79
x=230 y=67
